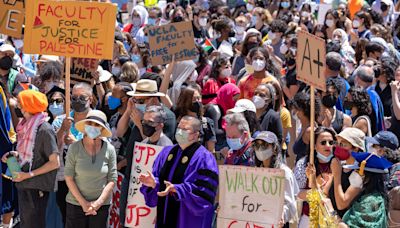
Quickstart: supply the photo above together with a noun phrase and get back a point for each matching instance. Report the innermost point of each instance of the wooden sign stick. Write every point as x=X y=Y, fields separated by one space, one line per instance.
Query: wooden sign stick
x=67 y=86
x=312 y=123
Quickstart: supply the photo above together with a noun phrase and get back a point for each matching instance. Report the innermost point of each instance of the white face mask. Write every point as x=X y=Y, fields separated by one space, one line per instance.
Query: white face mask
x=258 y=102
x=305 y=14
x=249 y=7
x=137 y=22
x=283 y=49
x=356 y=180
x=226 y=72
x=203 y=21
x=258 y=65
x=296 y=19
x=240 y=29
x=329 y=23
x=263 y=155
x=116 y=70
x=271 y=35
x=356 y=24
x=216 y=35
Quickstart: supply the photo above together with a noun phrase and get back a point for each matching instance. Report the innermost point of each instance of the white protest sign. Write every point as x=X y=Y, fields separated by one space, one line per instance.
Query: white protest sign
x=250 y=196
x=137 y=213
x=113 y=215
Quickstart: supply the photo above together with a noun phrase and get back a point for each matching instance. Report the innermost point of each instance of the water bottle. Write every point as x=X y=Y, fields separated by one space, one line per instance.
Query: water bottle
x=13 y=165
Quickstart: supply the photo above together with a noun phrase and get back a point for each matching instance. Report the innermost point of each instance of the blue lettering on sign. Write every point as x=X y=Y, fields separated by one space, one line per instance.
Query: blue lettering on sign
x=154 y=31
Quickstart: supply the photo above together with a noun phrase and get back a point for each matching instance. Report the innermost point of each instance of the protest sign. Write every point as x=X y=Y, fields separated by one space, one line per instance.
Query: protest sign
x=113 y=215
x=137 y=213
x=82 y=70
x=12 y=17
x=322 y=10
x=310 y=61
x=69 y=28
x=250 y=196
x=175 y=39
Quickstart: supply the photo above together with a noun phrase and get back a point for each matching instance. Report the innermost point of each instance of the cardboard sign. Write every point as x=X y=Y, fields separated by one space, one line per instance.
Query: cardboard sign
x=69 y=28
x=250 y=196
x=175 y=39
x=82 y=70
x=310 y=61
x=12 y=17
x=137 y=213
x=113 y=215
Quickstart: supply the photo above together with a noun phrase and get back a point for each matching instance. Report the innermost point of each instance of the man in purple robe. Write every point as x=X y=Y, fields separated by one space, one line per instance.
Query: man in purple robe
x=184 y=181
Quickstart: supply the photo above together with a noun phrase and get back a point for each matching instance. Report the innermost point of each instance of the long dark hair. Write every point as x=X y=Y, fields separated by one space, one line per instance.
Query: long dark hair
x=245 y=49
x=216 y=67
x=269 y=65
x=184 y=102
x=375 y=183
x=251 y=118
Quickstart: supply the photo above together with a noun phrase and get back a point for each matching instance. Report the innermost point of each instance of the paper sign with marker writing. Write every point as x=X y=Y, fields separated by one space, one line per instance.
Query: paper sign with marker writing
x=82 y=70
x=70 y=28
x=310 y=60
x=175 y=39
x=113 y=216
x=250 y=196
x=137 y=213
x=12 y=17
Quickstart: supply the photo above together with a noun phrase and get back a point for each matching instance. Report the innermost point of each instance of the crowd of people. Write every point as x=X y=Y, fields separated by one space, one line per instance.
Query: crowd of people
x=237 y=103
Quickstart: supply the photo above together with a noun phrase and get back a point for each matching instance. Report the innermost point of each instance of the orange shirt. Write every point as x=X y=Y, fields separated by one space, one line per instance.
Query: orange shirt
x=248 y=84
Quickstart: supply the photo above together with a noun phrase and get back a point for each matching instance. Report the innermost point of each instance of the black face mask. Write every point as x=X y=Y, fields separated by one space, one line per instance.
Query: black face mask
x=148 y=130
x=329 y=100
x=291 y=61
x=252 y=45
x=348 y=105
x=79 y=106
x=196 y=107
x=177 y=19
x=384 y=7
x=6 y=63
x=18 y=113
x=232 y=34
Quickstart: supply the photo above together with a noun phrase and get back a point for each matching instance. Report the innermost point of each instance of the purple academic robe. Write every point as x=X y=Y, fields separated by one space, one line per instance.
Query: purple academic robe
x=194 y=172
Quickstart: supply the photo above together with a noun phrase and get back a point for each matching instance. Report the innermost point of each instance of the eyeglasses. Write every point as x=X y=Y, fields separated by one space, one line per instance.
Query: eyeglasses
x=327 y=143
x=150 y=123
x=80 y=98
x=57 y=100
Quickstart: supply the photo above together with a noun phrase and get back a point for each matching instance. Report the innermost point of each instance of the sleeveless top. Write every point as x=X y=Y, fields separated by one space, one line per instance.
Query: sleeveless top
x=337 y=122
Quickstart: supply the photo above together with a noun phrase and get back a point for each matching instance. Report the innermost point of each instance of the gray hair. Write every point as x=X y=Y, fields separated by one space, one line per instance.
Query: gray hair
x=85 y=86
x=333 y=61
x=365 y=73
x=195 y=123
x=161 y=116
x=239 y=120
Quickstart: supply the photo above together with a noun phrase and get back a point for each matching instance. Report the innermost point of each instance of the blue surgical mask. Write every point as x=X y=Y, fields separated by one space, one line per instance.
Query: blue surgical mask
x=56 y=109
x=136 y=58
x=234 y=143
x=324 y=158
x=113 y=102
x=285 y=5
x=151 y=21
x=141 y=107
x=146 y=39
x=92 y=132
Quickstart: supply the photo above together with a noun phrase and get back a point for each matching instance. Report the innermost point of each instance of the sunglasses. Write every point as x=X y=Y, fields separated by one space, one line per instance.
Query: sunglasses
x=80 y=98
x=58 y=100
x=257 y=146
x=327 y=143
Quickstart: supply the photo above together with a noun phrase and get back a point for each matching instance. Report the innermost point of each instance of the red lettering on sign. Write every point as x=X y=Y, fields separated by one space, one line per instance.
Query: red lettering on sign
x=141 y=211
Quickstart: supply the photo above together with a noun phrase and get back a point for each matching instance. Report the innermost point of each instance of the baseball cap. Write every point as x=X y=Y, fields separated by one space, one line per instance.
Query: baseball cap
x=243 y=105
x=7 y=47
x=385 y=139
x=266 y=136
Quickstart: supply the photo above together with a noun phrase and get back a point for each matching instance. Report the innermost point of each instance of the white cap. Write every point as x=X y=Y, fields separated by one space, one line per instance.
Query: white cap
x=104 y=74
x=243 y=105
x=7 y=47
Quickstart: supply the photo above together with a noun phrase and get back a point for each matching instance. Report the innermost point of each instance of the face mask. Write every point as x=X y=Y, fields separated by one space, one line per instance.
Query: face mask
x=196 y=107
x=141 y=107
x=329 y=23
x=234 y=143
x=92 y=132
x=18 y=113
x=329 y=101
x=249 y=7
x=348 y=105
x=226 y=72
x=137 y=22
x=263 y=155
x=305 y=14
x=258 y=102
x=114 y=102
x=296 y=19
x=254 y=20
x=291 y=61
x=384 y=7
x=203 y=21
x=197 y=59
x=18 y=44
x=56 y=109
x=271 y=35
x=285 y=5
x=324 y=158
x=148 y=130
x=356 y=180
x=178 y=19
x=240 y=29
x=283 y=49
x=182 y=137
x=80 y=106
x=217 y=35
x=116 y=70
x=151 y=21
x=232 y=34
x=341 y=153
x=258 y=65
x=6 y=63
x=136 y=58
x=356 y=24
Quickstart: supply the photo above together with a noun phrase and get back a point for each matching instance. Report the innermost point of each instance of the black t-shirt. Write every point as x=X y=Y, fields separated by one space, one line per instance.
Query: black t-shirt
x=345 y=185
x=386 y=98
x=45 y=145
x=271 y=121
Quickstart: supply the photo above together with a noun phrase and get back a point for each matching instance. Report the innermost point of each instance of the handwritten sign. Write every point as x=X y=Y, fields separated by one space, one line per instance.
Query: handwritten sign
x=72 y=29
x=12 y=17
x=113 y=215
x=175 y=39
x=310 y=61
x=137 y=213
x=250 y=196
x=82 y=70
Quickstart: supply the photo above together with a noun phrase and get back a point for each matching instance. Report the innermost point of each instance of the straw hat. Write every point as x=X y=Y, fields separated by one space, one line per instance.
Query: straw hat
x=98 y=117
x=146 y=88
